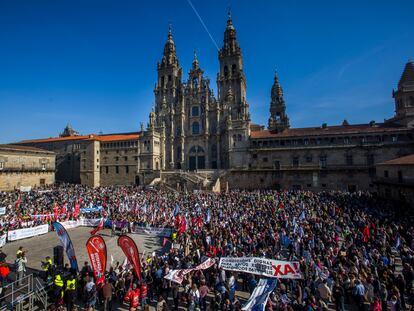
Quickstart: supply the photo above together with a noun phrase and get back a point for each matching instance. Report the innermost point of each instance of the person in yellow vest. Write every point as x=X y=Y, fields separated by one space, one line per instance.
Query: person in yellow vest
x=174 y=236
x=70 y=292
x=57 y=289
x=47 y=267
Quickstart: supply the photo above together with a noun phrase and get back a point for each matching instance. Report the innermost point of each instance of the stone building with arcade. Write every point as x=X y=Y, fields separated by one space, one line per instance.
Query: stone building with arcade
x=200 y=140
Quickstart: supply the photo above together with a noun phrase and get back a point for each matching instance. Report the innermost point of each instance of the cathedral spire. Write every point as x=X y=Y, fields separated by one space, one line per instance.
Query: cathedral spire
x=408 y=74
x=169 y=55
x=195 y=60
x=278 y=120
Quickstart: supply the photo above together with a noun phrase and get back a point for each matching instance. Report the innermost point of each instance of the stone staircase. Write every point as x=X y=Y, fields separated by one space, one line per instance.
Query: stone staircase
x=191 y=180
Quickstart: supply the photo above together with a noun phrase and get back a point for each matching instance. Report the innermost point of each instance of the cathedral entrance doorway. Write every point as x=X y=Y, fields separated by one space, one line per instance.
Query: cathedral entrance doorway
x=197 y=160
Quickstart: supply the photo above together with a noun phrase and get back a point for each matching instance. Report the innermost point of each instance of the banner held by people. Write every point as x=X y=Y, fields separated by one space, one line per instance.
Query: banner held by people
x=262 y=266
x=177 y=276
x=96 y=248
x=258 y=299
x=131 y=252
x=67 y=244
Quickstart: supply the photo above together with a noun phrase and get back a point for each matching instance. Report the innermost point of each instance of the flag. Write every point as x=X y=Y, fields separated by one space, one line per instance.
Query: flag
x=208 y=218
x=398 y=243
x=302 y=216
x=96 y=248
x=17 y=204
x=176 y=210
x=67 y=244
x=165 y=241
x=366 y=233
x=99 y=228
x=258 y=299
x=183 y=225
x=131 y=252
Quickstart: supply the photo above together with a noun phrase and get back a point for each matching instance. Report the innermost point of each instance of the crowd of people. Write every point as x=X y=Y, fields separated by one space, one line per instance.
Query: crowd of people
x=349 y=246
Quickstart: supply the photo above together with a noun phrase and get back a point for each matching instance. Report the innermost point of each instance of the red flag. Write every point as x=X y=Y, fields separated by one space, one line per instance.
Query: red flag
x=17 y=204
x=56 y=211
x=366 y=233
x=183 y=225
x=130 y=250
x=96 y=248
x=99 y=228
x=77 y=210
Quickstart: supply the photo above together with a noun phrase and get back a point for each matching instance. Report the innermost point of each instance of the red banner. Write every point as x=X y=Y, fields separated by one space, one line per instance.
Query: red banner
x=130 y=250
x=97 y=254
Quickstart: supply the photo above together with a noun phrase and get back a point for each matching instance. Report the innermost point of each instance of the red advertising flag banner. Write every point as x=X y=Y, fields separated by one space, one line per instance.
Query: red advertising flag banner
x=131 y=252
x=96 y=248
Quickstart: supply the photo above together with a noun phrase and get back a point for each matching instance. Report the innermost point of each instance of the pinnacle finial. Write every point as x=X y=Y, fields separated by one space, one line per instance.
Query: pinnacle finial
x=229 y=12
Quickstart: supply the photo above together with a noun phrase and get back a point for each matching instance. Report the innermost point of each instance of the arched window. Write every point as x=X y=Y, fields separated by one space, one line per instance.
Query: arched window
x=226 y=71
x=214 y=151
x=233 y=69
x=411 y=101
x=196 y=128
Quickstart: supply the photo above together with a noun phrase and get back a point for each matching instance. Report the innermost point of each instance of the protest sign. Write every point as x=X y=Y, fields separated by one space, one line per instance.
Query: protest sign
x=262 y=266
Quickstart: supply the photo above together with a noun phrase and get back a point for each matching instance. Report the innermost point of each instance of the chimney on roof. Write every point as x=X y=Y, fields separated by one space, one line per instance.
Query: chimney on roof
x=372 y=123
x=345 y=122
x=324 y=125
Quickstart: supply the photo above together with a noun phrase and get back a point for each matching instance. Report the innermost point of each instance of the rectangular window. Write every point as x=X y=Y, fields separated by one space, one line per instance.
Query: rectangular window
x=400 y=177
x=265 y=160
x=117 y=169
x=309 y=158
x=254 y=156
x=43 y=166
x=106 y=169
x=195 y=111
x=127 y=169
x=386 y=174
x=322 y=161
x=276 y=165
x=370 y=160
x=295 y=161
x=349 y=159
x=126 y=158
x=1 y=165
x=394 y=138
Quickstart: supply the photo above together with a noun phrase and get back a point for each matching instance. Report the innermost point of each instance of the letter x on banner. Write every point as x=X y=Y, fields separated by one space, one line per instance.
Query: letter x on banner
x=262 y=266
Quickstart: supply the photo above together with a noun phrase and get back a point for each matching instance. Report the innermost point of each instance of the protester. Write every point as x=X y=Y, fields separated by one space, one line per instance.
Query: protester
x=347 y=244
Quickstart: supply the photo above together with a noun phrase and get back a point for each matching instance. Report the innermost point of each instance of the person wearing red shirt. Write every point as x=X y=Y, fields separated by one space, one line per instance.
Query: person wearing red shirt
x=133 y=297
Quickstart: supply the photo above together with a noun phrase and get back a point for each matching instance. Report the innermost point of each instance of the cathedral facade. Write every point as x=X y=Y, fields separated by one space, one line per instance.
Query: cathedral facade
x=196 y=137
x=191 y=128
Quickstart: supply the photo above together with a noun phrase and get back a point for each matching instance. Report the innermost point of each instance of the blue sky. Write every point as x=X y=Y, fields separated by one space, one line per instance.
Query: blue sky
x=93 y=63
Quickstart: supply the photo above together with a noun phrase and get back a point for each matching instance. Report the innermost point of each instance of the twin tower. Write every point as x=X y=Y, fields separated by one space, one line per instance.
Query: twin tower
x=194 y=129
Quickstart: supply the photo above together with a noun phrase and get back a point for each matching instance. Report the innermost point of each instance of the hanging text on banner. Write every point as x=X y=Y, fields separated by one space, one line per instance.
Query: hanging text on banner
x=177 y=276
x=67 y=244
x=96 y=248
x=262 y=266
x=27 y=232
x=154 y=231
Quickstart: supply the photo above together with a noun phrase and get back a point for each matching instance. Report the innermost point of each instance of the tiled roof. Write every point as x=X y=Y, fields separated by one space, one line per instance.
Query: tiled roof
x=329 y=130
x=105 y=138
x=406 y=160
x=117 y=137
x=23 y=148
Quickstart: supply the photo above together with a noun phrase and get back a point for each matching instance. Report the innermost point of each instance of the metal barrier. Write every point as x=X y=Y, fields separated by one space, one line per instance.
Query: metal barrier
x=23 y=294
